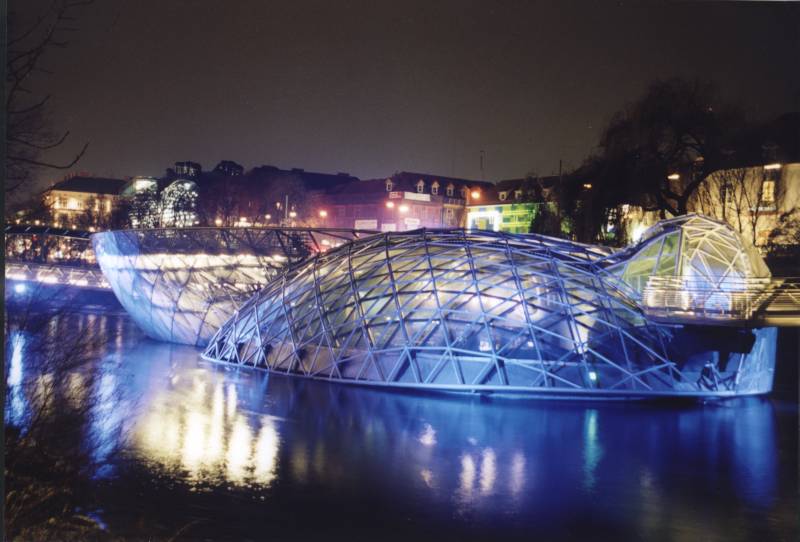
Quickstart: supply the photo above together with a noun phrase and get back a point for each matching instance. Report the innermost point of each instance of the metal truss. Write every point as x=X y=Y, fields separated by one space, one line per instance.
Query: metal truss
x=480 y=311
x=90 y=278
x=706 y=253
x=693 y=269
x=181 y=284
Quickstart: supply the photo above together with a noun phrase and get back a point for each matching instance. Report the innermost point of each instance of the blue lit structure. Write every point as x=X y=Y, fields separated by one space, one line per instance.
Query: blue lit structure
x=180 y=284
x=495 y=312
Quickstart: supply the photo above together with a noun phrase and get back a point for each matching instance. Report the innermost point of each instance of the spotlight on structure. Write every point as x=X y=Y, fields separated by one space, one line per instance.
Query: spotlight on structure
x=673 y=176
x=772 y=166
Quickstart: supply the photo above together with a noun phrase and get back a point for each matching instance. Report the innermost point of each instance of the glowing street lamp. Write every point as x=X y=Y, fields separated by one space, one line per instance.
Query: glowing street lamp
x=218 y=222
x=268 y=217
x=673 y=177
x=323 y=213
x=476 y=194
x=390 y=205
x=292 y=214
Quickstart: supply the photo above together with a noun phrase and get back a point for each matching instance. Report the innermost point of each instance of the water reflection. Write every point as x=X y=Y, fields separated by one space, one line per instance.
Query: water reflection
x=525 y=463
x=16 y=410
x=225 y=426
x=194 y=426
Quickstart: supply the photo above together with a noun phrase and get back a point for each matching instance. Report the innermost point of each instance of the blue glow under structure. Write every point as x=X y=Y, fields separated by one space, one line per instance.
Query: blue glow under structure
x=180 y=284
x=487 y=311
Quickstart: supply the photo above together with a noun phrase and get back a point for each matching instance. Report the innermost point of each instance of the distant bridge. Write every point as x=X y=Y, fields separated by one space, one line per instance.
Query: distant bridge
x=24 y=229
x=45 y=267
x=89 y=278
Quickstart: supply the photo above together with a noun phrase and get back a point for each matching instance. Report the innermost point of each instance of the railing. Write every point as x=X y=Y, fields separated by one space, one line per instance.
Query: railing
x=730 y=301
x=82 y=277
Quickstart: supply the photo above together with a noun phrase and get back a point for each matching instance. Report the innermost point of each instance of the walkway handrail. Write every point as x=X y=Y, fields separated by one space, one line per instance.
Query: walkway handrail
x=731 y=300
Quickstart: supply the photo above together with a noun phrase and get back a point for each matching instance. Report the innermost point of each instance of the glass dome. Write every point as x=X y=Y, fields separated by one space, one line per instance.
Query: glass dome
x=469 y=310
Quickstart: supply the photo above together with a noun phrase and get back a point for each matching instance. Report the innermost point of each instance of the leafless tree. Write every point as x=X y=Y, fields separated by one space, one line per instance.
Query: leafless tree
x=738 y=196
x=51 y=413
x=29 y=134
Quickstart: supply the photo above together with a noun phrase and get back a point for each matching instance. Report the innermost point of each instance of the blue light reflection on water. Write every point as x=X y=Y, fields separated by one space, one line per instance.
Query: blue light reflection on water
x=299 y=449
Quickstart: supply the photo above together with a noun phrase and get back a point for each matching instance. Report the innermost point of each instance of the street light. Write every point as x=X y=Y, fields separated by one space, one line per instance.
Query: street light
x=292 y=214
x=389 y=204
x=673 y=177
x=323 y=213
x=268 y=217
x=476 y=194
x=218 y=222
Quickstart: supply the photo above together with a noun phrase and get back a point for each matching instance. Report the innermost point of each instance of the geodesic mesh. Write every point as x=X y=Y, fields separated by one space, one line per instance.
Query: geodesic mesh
x=181 y=284
x=702 y=252
x=463 y=310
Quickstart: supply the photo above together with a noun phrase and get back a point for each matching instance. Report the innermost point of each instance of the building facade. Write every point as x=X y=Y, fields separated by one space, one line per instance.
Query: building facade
x=511 y=205
x=82 y=201
x=755 y=200
x=404 y=201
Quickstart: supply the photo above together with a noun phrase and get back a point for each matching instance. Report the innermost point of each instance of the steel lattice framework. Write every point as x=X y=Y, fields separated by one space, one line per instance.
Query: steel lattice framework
x=471 y=310
x=703 y=252
x=181 y=284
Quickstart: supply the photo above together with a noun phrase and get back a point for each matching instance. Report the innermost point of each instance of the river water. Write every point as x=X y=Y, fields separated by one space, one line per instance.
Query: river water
x=194 y=451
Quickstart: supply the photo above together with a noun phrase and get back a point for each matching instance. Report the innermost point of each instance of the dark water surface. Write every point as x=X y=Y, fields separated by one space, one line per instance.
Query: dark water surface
x=214 y=452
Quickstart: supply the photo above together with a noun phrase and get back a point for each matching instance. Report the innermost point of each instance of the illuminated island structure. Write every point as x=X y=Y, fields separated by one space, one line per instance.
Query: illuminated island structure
x=684 y=312
x=180 y=284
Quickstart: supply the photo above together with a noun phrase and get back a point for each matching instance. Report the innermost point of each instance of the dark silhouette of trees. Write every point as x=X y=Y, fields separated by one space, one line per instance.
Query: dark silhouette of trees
x=29 y=134
x=50 y=439
x=661 y=148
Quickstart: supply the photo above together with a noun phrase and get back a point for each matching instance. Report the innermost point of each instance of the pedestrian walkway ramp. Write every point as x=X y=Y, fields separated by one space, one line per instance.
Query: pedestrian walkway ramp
x=753 y=302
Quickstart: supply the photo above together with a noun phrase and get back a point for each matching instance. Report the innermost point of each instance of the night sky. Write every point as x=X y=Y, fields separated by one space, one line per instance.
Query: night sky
x=375 y=87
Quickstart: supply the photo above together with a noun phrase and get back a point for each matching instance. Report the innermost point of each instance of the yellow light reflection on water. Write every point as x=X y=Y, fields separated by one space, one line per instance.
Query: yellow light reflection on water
x=488 y=471
x=266 y=456
x=201 y=431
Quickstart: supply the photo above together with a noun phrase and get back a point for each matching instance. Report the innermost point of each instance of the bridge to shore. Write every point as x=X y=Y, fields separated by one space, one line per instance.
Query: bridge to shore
x=737 y=302
x=665 y=300
x=89 y=278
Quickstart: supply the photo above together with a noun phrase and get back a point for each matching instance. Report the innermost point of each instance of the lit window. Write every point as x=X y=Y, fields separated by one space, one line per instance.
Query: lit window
x=517 y=194
x=503 y=195
x=450 y=189
x=768 y=192
x=435 y=188
x=388 y=185
x=420 y=186
x=72 y=203
x=108 y=205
